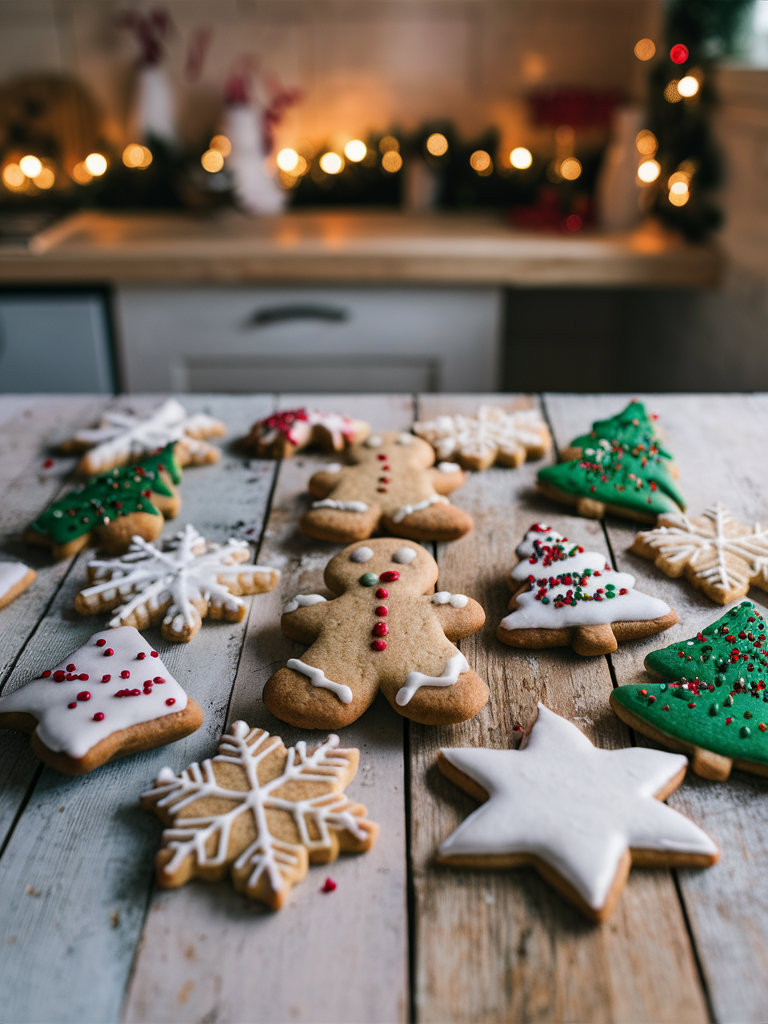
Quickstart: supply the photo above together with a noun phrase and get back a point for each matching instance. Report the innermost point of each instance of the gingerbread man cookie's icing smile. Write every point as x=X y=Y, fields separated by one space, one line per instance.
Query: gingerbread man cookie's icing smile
x=385 y=629
x=389 y=484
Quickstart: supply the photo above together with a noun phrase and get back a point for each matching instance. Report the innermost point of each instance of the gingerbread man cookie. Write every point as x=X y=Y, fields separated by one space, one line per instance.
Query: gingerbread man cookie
x=385 y=629
x=283 y=433
x=389 y=484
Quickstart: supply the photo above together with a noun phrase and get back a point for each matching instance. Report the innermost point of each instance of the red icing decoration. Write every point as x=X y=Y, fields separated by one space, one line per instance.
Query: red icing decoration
x=46 y=673
x=159 y=679
x=381 y=592
x=382 y=458
x=390 y=576
x=171 y=700
x=379 y=645
x=83 y=676
x=380 y=629
x=141 y=656
x=154 y=654
x=106 y=678
x=381 y=610
x=48 y=463
x=71 y=668
x=100 y=643
x=108 y=653
x=83 y=695
x=125 y=674
x=59 y=676
x=99 y=716
x=73 y=704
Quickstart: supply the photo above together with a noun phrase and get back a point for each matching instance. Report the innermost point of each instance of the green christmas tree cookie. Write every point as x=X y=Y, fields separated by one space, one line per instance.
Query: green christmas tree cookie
x=631 y=425
x=110 y=508
x=713 y=702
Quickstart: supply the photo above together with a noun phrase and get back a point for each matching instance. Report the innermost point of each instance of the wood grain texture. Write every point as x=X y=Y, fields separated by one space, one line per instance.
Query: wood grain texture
x=719 y=446
x=77 y=869
x=502 y=945
x=211 y=954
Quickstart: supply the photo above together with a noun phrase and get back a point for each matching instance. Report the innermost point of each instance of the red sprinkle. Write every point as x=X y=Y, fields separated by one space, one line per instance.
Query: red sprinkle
x=141 y=656
x=381 y=593
x=99 y=716
x=48 y=463
x=101 y=643
x=71 y=668
x=382 y=458
x=692 y=704
x=125 y=674
x=154 y=654
x=108 y=653
x=171 y=700
x=762 y=727
x=73 y=704
x=46 y=673
x=83 y=676
x=390 y=576
x=59 y=676
x=134 y=693
x=379 y=645
x=83 y=695
x=328 y=886
x=106 y=678
x=159 y=679
x=381 y=610
x=380 y=629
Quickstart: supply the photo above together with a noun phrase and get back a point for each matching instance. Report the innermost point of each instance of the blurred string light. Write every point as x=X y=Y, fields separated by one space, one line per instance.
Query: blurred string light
x=646 y=142
x=392 y=161
x=331 y=163
x=672 y=93
x=389 y=144
x=648 y=171
x=570 y=168
x=688 y=86
x=355 y=150
x=136 y=156
x=212 y=161
x=221 y=144
x=287 y=160
x=679 y=194
x=30 y=166
x=45 y=179
x=520 y=157
x=95 y=164
x=645 y=49
x=679 y=53
x=481 y=162
x=81 y=174
x=13 y=176
x=437 y=144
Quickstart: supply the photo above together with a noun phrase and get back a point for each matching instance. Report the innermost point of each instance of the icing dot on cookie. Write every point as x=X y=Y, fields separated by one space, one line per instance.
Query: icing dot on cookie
x=379 y=645
x=101 y=643
x=374 y=441
x=363 y=554
x=99 y=716
x=170 y=701
x=368 y=579
x=381 y=593
x=83 y=695
x=388 y=577
x=404 y=555
x=405 y=439
x=380 y=629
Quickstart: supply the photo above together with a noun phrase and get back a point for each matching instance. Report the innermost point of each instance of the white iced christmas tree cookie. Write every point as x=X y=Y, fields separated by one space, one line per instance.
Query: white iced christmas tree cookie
x=112 y=697
x=121 y=438
x=176 y=586
x=259 y=811
x=579 y=815
x=491 y=435
x=566 y=596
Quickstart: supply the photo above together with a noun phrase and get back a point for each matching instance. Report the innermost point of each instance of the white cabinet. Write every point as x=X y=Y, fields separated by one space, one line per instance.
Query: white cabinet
x=219 y=339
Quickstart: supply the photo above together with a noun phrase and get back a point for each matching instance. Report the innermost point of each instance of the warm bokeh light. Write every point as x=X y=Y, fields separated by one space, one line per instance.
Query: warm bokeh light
x=31 y=166
x=287 y=160
x=646 y=142
x=389 y=144
x=13 y=176
x=688 y=86
x=679 y=187
x=570 y=168
x=437 y=144
x=45 y=179
x=689 y=166
x=355 y=150
x=679 y=198
x=212 y=161
x=672 y=93
x=95 y=164
x=480 y=160
x=301 y=168
x=564 y=135
x=221 y=144
x=81 y=174
x=391 y=161
x=648 y=171
x=645 y=49
x=678 y=178
x=286 y=180
x=679 y=53
x=331 y=163
x=136 y=156
x=573 y=223
x=520 y=157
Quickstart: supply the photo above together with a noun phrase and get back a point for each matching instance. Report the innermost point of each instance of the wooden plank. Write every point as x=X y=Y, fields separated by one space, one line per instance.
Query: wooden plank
x=209 y=953
x=502 y=945
x=77 y=869
x=719 y=445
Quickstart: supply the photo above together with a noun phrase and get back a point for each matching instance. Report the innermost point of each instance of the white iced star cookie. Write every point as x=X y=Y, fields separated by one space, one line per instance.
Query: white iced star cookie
x=578 y=814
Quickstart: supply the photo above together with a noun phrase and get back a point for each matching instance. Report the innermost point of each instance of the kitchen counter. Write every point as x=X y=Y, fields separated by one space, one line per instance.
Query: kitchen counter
x=349 y=247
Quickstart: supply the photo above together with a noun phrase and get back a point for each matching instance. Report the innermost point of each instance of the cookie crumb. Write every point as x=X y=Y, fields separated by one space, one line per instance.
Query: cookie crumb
x=114 y=917
x=32 y=891
x=328 y=886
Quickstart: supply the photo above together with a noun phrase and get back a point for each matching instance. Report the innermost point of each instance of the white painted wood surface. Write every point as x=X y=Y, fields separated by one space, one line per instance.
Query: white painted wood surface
x=86 y=936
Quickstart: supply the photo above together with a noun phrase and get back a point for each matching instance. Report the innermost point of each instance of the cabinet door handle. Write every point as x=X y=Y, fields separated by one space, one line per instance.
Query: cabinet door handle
x=282 y=314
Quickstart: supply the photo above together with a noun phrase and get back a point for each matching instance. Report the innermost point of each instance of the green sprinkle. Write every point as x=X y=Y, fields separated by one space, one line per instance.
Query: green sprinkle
x=368 y=579
x=728 y=701
x=745 y=731
x=719 y=679
x=713 y=709
x=747 y=714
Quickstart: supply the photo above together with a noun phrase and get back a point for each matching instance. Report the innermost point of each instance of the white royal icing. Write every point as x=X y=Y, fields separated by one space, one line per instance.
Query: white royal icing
x=333 y=467
x=189 y=569
x=121 y=437
x=405 y=439
x=317 y=678
x=374 y=441
x=11 y=573
x=341 y=506
x=543 y=607
x=303 y=601
x=457 y=664
x=528 y=550
x=448 y=467
x=407 y=510
x=207 y=838
x=404 y=555
x=363 y=554
x=490 y=431
x=572 y=805
x=454 y=600
x=74 y=731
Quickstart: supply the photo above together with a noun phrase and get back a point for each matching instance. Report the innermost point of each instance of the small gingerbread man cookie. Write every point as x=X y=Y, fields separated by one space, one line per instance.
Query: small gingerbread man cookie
x=385 y=629
x=389 y=484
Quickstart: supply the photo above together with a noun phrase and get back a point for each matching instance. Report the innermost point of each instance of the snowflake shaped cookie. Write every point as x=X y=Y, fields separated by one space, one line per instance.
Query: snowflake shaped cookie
x=121 y=438
x=578 y=814
x=717 y=553
x=177 y=586
x=261 y=812
x=491 y=435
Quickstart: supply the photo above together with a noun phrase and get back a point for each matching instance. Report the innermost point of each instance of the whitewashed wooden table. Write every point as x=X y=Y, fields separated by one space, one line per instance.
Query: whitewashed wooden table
x=85 y=935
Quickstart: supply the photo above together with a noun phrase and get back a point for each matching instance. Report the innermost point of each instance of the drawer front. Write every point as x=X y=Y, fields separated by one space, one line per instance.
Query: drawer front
x=322 y=339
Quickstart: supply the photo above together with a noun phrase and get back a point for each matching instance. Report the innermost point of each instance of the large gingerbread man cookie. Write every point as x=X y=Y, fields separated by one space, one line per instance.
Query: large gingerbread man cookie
x=385 y=629
x=389 y=484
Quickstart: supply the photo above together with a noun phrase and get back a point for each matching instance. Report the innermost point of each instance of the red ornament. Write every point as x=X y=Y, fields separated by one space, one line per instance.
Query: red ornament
x=679 y=53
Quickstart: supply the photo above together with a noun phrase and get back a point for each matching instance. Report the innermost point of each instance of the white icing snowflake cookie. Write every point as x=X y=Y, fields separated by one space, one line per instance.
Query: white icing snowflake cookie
x=177 y=586
x=15 y=578
x=112 y=697
x=578 y=814
x=566 y=596
x=491 y=436
x=121 y=438
x=718 y=554
x=260 y=812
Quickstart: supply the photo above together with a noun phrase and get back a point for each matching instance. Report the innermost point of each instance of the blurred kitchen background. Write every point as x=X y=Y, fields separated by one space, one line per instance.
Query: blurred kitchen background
x=445 y=195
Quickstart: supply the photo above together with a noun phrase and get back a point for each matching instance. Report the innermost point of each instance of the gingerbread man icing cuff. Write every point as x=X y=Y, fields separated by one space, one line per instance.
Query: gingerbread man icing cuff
x=389 y=484
x=385 y=629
